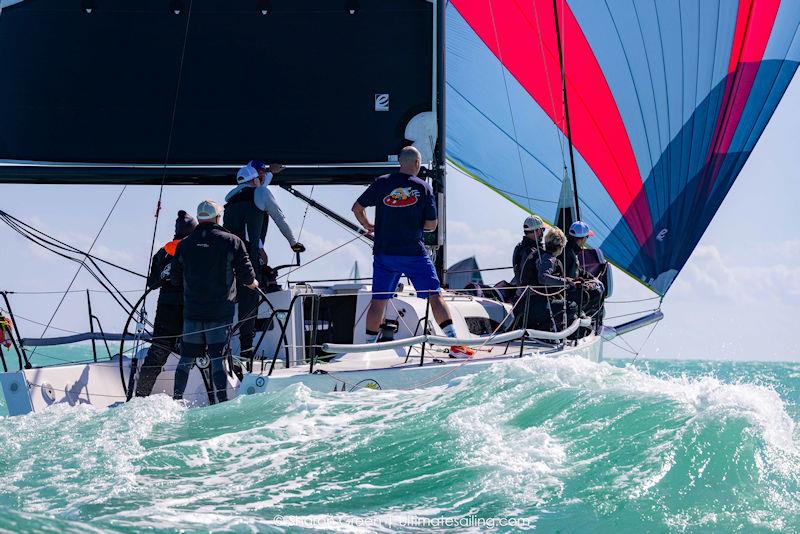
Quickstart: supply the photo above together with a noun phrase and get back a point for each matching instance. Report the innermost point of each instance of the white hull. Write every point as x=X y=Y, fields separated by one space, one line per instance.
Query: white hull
x=96 y=383
x=286 y=341
x=336 y=377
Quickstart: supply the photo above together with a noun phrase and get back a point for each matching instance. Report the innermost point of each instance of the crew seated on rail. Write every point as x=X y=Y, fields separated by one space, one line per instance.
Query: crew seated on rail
x=547 y=307
x=588 y=295
x=533 y=229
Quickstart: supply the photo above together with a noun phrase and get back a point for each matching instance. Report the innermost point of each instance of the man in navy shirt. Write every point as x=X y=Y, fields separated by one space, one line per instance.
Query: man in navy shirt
x=405 y=206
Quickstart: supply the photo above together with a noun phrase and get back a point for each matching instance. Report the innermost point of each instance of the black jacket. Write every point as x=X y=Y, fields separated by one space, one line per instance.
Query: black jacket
x=572 y=264
x=208 y=262
x=521 y=253
x=159 y=276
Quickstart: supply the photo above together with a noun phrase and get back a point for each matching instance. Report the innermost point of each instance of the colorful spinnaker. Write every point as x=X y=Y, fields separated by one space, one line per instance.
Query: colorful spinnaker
x=666 y=100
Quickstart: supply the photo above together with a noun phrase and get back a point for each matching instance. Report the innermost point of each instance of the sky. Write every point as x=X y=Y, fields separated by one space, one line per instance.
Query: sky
x=736 y=299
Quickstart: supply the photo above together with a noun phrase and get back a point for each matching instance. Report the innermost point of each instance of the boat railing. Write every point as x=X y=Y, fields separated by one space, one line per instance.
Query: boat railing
x=497 y=339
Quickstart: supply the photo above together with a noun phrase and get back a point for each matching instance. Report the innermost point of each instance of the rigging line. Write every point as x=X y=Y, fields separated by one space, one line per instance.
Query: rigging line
x=631 y=301
x=620 y=347
x=510 y=109
x=632 y=313
x=49 y=292
x=566 y=110
x=361 y=237
x=169 y=140
x=334 y=249
x=28 y=232
x=77 y=272
x=82 y=262
x=549 y=87
x=46 y=242
x=110 y=290
x=26 y=319
x=305 y=214
x=655 y=325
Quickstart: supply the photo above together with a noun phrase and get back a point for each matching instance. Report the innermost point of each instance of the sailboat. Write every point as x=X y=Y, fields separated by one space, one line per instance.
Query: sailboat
x=633 y=117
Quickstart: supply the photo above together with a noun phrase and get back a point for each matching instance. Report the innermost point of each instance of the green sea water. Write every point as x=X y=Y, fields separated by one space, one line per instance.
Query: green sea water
x=550 y=445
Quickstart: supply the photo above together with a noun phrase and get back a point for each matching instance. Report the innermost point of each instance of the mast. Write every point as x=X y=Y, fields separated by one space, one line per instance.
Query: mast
x=439 y=155
x=566 y=113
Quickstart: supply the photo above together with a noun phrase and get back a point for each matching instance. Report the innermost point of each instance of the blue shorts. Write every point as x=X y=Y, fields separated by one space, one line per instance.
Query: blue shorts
x=387 y=270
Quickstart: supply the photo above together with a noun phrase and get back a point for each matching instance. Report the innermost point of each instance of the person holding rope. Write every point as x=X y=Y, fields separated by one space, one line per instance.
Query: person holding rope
x=405 y=206
x=210 y=263
x=168 y=324
x=548 y=309
x=248 y=208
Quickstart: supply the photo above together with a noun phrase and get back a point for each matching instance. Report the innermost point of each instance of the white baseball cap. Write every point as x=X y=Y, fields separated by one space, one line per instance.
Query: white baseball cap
x=245 y=174
x=534 y=222
x=208 y=210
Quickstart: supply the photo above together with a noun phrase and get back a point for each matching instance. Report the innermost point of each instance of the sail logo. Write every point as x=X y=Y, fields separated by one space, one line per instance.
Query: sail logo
x=662 y=234
x=382 y=102
x=401 y=197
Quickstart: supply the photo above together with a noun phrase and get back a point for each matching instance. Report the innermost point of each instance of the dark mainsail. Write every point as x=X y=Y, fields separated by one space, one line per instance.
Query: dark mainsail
x=328 y=86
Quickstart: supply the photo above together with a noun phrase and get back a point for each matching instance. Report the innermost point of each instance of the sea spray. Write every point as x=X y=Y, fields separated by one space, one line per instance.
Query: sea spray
x=554 y=444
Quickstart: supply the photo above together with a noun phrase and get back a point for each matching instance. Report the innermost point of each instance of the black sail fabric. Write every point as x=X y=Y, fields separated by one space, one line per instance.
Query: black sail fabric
x=203 y=85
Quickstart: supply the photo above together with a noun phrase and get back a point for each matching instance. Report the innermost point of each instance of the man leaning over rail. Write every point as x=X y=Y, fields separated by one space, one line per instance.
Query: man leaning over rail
x=404 y=207
x=208 y=263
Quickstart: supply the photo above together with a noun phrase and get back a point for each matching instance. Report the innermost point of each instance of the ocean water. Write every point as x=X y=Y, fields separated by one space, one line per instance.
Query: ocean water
x=550 y=445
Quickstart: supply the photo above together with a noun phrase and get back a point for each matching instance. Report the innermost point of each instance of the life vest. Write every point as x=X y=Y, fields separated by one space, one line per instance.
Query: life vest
x=245 y=195
x=5 y=325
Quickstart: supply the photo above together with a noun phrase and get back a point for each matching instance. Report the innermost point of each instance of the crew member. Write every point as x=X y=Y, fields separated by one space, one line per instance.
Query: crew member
x=552 y=277
x=247 y=210
x=210 y=262
x=533 y=229
x=168 y=324
x=404 y=207
x=547 y=307
x=588 y=294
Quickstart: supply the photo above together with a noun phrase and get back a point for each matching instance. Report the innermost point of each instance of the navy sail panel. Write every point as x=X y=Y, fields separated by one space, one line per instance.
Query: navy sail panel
x=135 y=85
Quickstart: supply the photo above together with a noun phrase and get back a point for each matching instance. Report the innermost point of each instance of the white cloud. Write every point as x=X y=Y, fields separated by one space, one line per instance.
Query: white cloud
x=710 y=274
x=492 y=247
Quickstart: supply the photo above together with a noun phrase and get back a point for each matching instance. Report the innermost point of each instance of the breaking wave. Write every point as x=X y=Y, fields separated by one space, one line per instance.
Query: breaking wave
x=552 y=444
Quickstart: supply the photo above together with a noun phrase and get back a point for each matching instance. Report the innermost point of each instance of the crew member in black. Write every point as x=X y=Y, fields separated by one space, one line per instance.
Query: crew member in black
x=168 y=324
x=588 y=294
x=209 y=262
x=547 y=307
x=533 y=230
x=247 y=210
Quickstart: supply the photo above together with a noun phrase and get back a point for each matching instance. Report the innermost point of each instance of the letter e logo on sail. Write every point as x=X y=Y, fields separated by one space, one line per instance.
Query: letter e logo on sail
x=382 y=102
